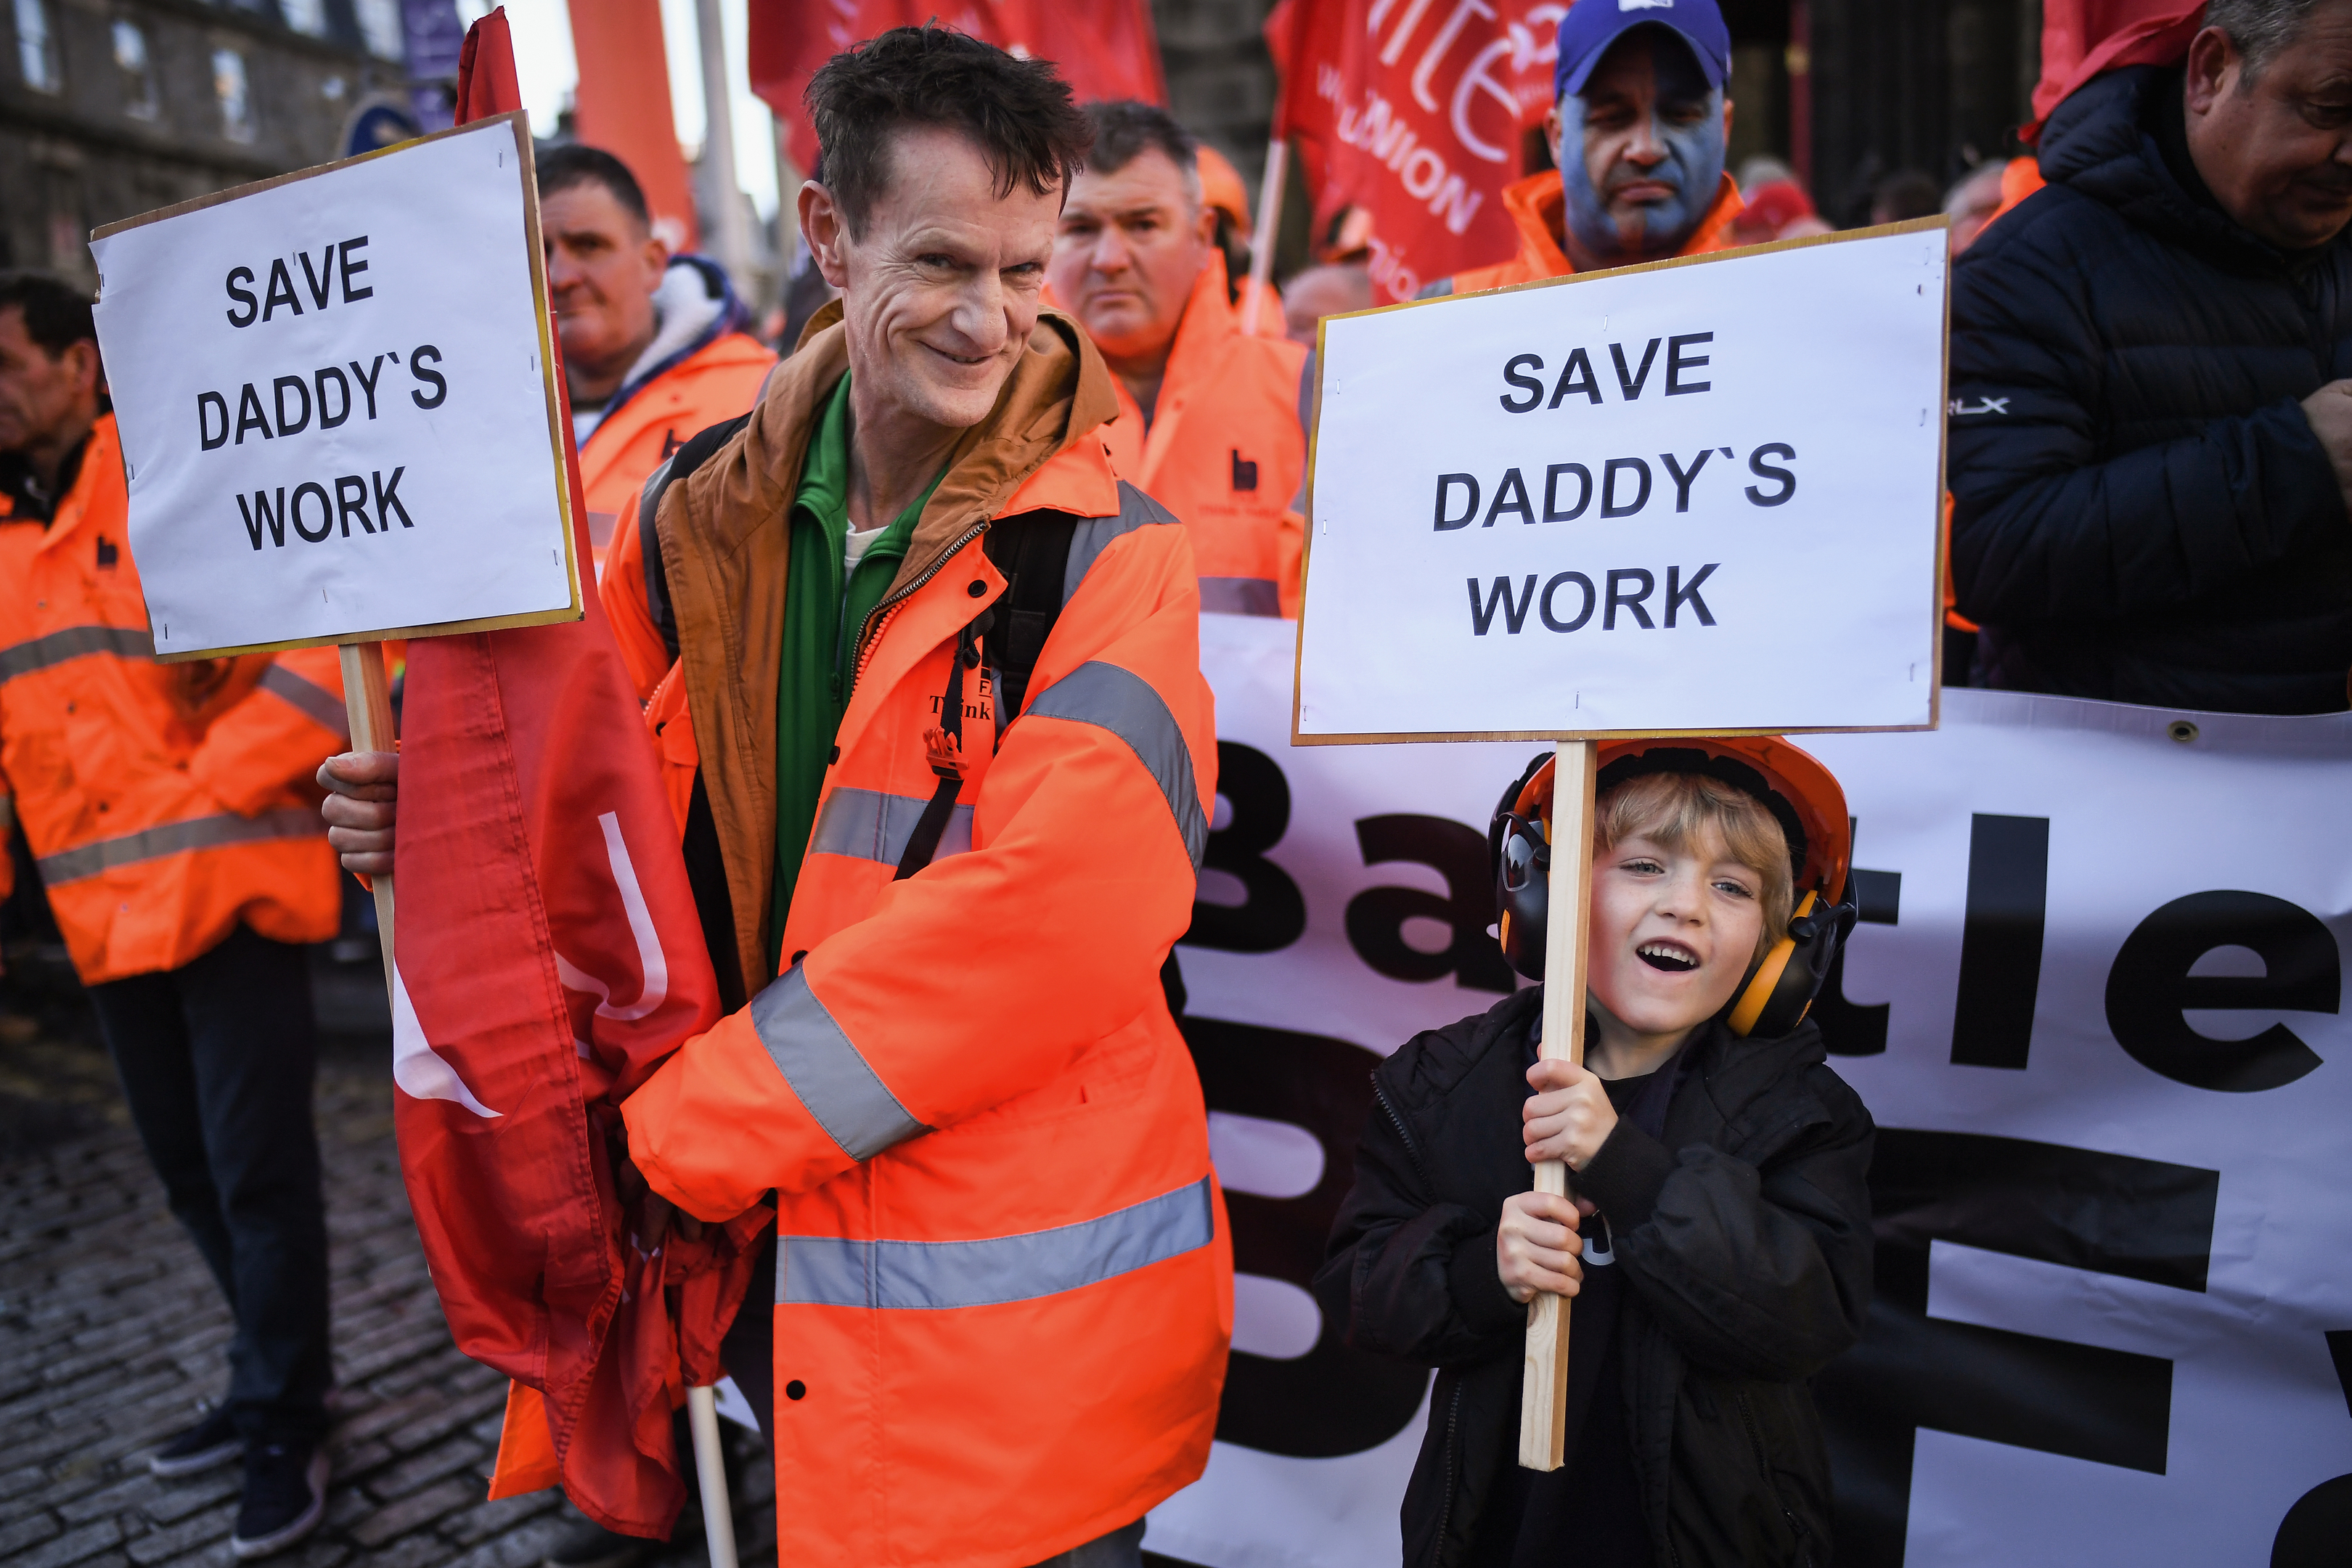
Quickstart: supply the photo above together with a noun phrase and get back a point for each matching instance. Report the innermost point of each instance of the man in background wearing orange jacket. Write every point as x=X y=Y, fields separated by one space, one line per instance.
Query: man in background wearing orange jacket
x=654 y=344
x=1211 y=424
x=1637 y=132
x=169 y=810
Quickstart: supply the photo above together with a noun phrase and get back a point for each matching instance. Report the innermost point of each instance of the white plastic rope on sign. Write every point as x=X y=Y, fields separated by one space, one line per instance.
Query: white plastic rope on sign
x=2096 y=1007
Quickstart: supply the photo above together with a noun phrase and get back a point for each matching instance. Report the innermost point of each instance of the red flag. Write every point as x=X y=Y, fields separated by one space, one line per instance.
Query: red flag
x=1418 y=114
x=548 y=957
x=623 y=106
x=1103 y=49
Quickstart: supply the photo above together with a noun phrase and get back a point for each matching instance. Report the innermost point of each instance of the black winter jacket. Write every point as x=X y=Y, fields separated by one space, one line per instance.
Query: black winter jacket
x=1744 y=1238
x=2141 y=510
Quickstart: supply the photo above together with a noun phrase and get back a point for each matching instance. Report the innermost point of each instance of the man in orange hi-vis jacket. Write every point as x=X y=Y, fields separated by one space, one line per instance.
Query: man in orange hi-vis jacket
x=942 y=756
x=171 y=817
x=1212 y=424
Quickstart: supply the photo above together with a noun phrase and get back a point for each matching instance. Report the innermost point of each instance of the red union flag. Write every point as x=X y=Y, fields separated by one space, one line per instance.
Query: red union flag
x=1416 y=111
x=1103 y=49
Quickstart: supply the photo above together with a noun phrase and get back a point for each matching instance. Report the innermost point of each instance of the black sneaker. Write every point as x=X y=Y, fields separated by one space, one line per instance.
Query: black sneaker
x=285 y=1498
x=593 y=1546
x=211 y=1441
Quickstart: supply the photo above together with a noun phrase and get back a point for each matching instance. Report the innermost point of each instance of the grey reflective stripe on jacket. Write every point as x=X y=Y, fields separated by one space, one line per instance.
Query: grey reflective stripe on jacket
x=73 y=642
x=318 y=704
x=929 y=1276
x=846 y=1096
x=1096 y=535
x=177 y=837
x=871 y=825
x=1125 y=704
x=1240 y=596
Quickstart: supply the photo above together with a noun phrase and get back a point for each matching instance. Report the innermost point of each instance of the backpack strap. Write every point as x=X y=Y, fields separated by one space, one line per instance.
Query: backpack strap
x=698 y=450
x=1033 y=554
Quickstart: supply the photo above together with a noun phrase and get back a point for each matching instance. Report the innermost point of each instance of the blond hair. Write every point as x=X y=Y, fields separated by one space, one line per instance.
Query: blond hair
x=1677 y=809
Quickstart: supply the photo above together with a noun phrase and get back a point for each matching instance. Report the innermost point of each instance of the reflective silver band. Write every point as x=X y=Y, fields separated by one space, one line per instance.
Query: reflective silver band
x=73 y=642
x=871 y=825
x=178 y=838
x=1240 y=596
x=1097 y=534
x=318 y=704
x=847 y=1097
x=933 y=1276
x=1125 y=704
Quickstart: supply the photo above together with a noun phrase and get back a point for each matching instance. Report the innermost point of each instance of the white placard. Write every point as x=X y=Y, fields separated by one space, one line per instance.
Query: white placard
x=1703 y=496
x=337 y=413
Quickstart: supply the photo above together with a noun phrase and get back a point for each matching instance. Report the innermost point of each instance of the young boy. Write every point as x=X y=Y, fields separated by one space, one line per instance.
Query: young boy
x=1717 y=1246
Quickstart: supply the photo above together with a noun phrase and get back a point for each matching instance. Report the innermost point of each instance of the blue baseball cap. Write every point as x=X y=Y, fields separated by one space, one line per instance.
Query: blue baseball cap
x=1592 y=26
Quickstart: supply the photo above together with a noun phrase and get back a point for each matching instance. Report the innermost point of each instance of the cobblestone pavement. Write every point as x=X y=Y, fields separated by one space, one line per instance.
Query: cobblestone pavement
x=111 y=1331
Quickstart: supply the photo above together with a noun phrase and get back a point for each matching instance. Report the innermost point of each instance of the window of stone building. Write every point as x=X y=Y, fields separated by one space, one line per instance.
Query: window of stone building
x=380 y=26
x=236 y=100
x=36 y=46
x=306 y=15
x=137 y=70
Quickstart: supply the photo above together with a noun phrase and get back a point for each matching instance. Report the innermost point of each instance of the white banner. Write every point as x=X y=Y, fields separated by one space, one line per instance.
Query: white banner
x=2094 y=1006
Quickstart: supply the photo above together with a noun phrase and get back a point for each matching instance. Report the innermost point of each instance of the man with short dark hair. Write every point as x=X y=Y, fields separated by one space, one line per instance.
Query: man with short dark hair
x=1211 y=423
x=171 y=817
x=2151 y=441
x=944 y=754
x=655 y=346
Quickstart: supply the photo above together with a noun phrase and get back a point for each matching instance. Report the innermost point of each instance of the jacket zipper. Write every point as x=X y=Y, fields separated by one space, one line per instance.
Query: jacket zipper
x=1397 y=1120
x=1764 y=1463
x=891 y=600
x=1453 y=1416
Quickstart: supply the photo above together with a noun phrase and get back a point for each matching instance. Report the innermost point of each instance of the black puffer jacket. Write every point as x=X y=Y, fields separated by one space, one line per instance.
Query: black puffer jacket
x=2142 y=513
x=1744 y=1238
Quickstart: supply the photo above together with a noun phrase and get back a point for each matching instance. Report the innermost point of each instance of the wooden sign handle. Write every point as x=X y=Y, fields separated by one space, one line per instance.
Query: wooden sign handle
x=367 y=704
x=1543 y=1393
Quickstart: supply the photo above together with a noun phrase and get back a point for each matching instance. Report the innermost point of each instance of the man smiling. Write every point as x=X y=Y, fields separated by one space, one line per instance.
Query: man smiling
x=1637 y=130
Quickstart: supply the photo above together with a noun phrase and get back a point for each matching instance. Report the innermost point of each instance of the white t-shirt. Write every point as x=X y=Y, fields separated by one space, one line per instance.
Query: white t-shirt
x=852 y=547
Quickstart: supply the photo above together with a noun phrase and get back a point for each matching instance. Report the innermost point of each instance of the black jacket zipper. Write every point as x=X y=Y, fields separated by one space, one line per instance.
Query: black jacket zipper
x=1764 y=1467
x=1453 y=1416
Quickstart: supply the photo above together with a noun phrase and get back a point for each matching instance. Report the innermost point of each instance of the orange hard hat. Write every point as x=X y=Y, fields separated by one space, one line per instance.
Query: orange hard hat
x=1222 y=188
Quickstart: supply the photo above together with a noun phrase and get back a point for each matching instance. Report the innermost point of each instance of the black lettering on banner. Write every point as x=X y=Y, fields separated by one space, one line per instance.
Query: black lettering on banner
x=282 y=291
x=302 y=422
x=1679 y=592
x=2104 y=1213
x=1512 y=487
x=205 y=426
x=261 y=514
x=322 y=278
x=1273 y=912
x=1764 y=471
x=2000 y=940
x=1632 y=603
x=1608 y=473
x=1533 y=387
x=1552 y=491
x=440 y=383
x=350 y=501
x=2151 y=985
x=243 y=296
x=367 y=380
x=1376 y=916
x=388 y=496
x=1554 y=623
x=326 y=423
x=1850 y=1028
x=1576 y=376
x=1678 y=361
x=250 y=415
x=1515 y=615
x=1683 y=477
x=351 y=269
x=326 y=512
x=1631 y=385
x=1332 y=1401
x=1446 y=482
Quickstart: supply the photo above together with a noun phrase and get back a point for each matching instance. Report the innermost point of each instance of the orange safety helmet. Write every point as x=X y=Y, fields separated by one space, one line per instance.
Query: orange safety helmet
x=1222 y=189
x=1801 y=794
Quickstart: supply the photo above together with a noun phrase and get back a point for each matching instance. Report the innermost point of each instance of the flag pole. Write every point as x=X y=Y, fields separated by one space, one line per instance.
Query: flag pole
x=367 y=706
x=1269 y=218
x=718 y=1517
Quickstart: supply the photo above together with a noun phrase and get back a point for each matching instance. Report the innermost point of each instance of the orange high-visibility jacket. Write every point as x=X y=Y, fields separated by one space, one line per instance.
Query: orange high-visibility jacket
x=1004 y=1280
x=1538 y=210
x=163 y=803
x=716 y=381
x=1226 y=451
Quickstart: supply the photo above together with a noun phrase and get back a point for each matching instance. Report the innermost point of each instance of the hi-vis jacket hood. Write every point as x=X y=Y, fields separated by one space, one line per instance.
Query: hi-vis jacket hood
x=1004 y=1288
x=163 y=803
x=1538 y=209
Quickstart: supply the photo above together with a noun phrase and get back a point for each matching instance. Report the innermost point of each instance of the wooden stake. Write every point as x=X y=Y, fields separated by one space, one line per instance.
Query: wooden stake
x=718 y=1514
x=367 y=704
x=1269 y=225
x=1543 y=1392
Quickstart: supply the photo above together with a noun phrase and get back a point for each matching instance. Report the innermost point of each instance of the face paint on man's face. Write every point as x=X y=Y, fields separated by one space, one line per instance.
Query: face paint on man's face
x=1641 y=150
